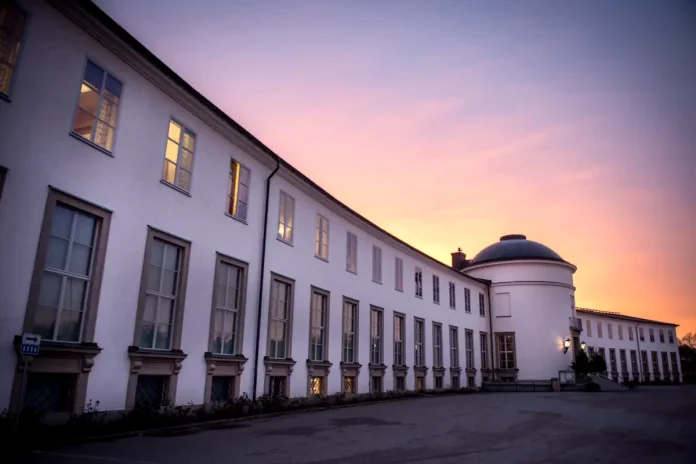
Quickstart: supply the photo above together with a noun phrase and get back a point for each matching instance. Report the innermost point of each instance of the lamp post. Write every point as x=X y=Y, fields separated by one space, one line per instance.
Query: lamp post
x=583 y=345
x=566 y=345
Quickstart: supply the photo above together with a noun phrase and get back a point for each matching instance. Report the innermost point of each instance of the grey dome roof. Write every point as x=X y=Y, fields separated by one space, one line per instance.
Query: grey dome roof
x=512 y=247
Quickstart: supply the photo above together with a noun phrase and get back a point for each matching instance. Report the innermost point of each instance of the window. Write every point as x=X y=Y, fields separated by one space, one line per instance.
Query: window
x=470 y=349
x=318 y=348
x=670 y=334
x=646 y=365
x=610 y=331
x=222 y=389
x=419 y=282
x=482 y=305
x=276 y=386
x=352 y=253
x=506 y=350
x=624 y=364
x=321 y=246
x=228 y=306
x=436 y=289
x=437 y=344
x=399 y=274
x=151 y=391
x=376 y=264
x=452 y=296
x=420 y=383
x=484 y=350
x=399 y=339
x=67 y=274
x=652 y=335
x=11 y=29
x=419 y=337
x=349 y=384
x=400 y=383
x=641 y=335
x=467 y=300
x=612 y=359
x=675 y=365
x=662 y=336
x=599 y=329
x=656 y=365
x=49 y=392
x=454 y=347
x=588 y=323
x=620 y=332
x=634 y=362
x=376 y=384
x=591 y=351
x=317 y=385
x=280 y=318
x=350 y=333
x=630 y=333
x=238 y=190
x=178 y=156
x=162 y=305
x=665 y=364
x=438 y=382
x=286 y=217
x=455 y=382
x=376 y=331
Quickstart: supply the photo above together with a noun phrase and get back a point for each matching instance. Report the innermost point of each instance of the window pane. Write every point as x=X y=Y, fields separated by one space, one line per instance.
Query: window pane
x=153 y=278
x=62 y=222
x=9 y=48
x=174 y=131
x=84 y=230
x=163 y=334
x=147 y=334
x=172 y=151
x=241 y=210
x=186 y=158
x=169 y=171
x=189 y=140
x=165 y=311
x=49 y=294
x=89 y=99
x=113 y=87
x=79 y=259
x=171 y=260
x=45 y=321
x=69 y=329
x=57 y=253
x=108 y=111
x=150 y=308
x=74 y=294
x=169 y=282
x=94 y=74
x=184 y=179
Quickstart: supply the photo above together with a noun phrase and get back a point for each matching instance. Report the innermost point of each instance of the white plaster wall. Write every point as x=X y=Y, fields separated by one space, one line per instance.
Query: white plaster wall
x=592 y=339
x=540 y=308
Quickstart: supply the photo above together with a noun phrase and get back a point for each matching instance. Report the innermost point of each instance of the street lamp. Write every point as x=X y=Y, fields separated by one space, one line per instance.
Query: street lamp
x=566 y=345
x=583 y=345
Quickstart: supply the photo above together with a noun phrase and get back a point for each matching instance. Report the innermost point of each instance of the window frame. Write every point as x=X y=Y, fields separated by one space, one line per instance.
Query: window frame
x=599 y=330
x=27 y=24
x=319 y=245
x=452 y=296
x=351 y=249
x=288 y=320
x=402 y=335
x=419 y=342
x=588 y=329
x=101 y=237
x=467 y=300
x=454 y=347
x=418 y=275
x=376 y=264
x=436 y=289
x=184 y=129
x=282 y=237
x=514 y=350
x=182 y=283
x=437 y=347
x=483 y=345
x=661 y=334
x=326 y=324
x=482 y=305
x=379 y=312
x=241 y=166
x=221 y=258
x=470 y=349
x=610 y=331
x=356 y=330
x=619 y=328
x=398 y=274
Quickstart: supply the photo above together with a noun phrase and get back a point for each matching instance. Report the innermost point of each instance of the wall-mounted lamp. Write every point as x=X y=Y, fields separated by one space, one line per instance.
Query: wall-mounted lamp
x=582 y=346
x=566 y=345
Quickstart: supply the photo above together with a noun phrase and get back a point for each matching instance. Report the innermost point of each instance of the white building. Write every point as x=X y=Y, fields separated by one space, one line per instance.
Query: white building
x=149 y=240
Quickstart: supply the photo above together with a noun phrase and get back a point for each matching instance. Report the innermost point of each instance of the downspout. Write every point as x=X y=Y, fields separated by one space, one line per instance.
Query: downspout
x=640 y=358
x=263 y=265
x=490 y=322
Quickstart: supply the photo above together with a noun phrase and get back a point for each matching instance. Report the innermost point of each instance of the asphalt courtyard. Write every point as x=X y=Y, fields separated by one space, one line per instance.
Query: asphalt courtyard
x=651 y=425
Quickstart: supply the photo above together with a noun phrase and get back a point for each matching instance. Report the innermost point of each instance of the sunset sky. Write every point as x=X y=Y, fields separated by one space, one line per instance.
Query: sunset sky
x=451 y=123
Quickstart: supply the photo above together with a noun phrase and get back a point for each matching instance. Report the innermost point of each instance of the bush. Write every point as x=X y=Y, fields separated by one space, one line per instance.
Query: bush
x=581 y=365
x=597 y=364
x=593 y=387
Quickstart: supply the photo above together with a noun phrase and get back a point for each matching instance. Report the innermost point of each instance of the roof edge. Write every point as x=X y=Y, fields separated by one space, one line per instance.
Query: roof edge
x=615 y=315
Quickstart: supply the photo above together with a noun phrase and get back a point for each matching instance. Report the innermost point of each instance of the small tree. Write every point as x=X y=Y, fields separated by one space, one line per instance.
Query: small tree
x=598 y=365
x=581 y=365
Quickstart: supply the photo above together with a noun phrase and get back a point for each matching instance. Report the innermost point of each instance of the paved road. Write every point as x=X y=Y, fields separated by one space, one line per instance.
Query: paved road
x=652 y=425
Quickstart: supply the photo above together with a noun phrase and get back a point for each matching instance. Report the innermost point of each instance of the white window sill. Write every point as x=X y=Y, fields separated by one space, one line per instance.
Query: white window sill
x=281 y=239
x=377 y=281
x=401 y=290
x=178 y=189
x=436 y=302
x=320 y=258
x=453 y=308
x=243 y=221
x=91 y=144
x=419 y=297
x=352 y=271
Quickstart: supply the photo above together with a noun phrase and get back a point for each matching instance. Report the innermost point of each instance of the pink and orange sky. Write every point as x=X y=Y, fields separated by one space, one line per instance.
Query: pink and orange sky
x=451 y=123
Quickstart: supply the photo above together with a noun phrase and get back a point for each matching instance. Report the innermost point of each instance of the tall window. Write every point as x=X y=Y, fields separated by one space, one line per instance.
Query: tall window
x=97 y=110
x=238 y=190
x=350 y=329
x=436 y=289
x=470 y=349
x=11 y=29
x=599 y=329
x=352 y=252
x=646 y=364
x=482 y=305
x=321 y=242
x=665 y=364
x=467 y=300
x=506 y=350
x=437 y=345
x=376 y=264
x=281 y=314
x=419 y=282
x=286 y=217
x=591 y=351
x=624 y=363
x=452 y=296
x=588 y=323
x=229 y=286
x=620 y=332
x=178 y=157
x=670 y=334
x=675 y=365
x=634 y=362
x=317 y=330
x=641 y=334
x=454 y=347
x=630 y=333
x=610 y=331
x=419 y=346
x=612 y=359
x=399 y=338
x=655 y=364
x=484 y=350
x=652 y=335
x=376 y=331
x=399 y=274
x=662 y=336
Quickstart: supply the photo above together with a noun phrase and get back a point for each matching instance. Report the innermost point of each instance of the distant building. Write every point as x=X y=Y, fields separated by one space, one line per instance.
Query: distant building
x=161 y=251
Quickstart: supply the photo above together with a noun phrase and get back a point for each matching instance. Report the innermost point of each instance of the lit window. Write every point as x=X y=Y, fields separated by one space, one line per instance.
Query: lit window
x=238 y=190
x=321 y=241
x=316 y=385
x=97 y=110
x=178 y=156
x=286 y=217
x=349 y=384
x=11 y=29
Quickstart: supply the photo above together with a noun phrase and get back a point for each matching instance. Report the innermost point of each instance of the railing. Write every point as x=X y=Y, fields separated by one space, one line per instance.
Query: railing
x=575 y=323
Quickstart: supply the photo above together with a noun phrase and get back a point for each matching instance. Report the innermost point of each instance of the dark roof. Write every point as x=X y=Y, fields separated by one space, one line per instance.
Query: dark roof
x=105 y=20
x=621 y=316
x=513 y=247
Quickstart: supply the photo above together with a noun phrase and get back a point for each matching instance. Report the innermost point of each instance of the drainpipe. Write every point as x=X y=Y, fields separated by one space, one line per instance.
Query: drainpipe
x=640 y=358
x=490 y=322
x=263 y=265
